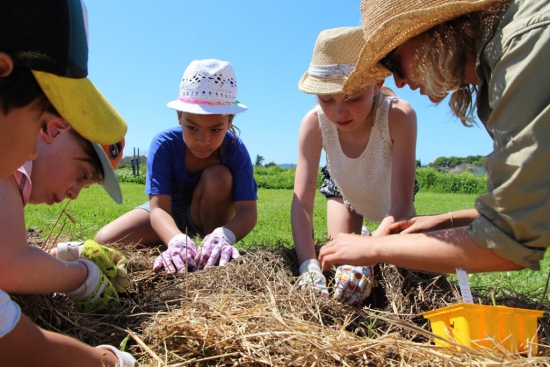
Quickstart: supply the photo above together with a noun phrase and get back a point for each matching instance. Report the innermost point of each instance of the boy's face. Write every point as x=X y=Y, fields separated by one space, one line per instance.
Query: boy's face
x=20 y=130
x=61 y=169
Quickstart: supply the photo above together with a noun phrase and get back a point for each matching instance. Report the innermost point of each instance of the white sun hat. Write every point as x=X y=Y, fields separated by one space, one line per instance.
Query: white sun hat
x=208 y=87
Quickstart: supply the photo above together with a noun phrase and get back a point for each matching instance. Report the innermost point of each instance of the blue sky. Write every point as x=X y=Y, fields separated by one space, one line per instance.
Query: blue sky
x=139 y=50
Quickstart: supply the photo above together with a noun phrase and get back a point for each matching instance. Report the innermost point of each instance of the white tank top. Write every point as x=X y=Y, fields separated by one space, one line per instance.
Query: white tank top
x=365 y=182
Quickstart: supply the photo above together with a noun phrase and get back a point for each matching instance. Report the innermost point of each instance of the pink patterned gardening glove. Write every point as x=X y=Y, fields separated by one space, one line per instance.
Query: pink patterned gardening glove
x=312 y=276
x=218 y=245
x=352 y=284
x=179 y=255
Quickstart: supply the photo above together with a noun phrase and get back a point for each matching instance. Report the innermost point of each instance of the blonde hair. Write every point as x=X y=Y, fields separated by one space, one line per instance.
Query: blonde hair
x=382 y=93
x=442 y=59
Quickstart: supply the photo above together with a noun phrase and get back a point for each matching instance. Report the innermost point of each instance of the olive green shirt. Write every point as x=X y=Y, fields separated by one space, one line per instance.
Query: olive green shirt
x=514 y=105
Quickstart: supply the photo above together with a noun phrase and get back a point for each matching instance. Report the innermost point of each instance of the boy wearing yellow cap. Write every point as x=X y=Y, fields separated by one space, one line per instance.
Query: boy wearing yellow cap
x=43 y=68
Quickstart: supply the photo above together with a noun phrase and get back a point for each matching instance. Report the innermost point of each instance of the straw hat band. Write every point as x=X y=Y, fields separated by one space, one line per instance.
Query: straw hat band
x=334 y=56
x=331 y=71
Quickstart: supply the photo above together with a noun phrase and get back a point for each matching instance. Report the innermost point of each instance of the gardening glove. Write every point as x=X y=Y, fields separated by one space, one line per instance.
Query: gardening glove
x=179 y=255
x=218 y=245
x=352 y=284
x=312 y=276
x=111 y=262
x=125 y=359
x=96 y=294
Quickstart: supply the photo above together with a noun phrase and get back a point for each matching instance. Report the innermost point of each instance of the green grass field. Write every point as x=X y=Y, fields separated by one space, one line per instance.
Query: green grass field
x=94 y=209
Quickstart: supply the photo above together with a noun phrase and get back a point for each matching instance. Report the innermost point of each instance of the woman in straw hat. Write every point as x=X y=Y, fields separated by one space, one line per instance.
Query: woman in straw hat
x=369 y=137
x=200 y=180
x=499 y=52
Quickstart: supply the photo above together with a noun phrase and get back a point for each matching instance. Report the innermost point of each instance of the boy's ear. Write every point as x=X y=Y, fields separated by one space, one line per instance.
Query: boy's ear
x=6 y=64
x=53 y=129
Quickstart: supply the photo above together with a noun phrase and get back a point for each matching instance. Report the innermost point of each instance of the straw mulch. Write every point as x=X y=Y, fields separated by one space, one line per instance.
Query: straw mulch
x=250 y=313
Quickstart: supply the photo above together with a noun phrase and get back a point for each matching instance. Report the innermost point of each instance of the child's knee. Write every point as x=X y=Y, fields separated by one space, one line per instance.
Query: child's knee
x=104 y=235
x=217 y=177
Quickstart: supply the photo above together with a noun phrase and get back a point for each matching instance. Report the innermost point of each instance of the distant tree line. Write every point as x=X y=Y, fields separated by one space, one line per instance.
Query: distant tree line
x=441 y=162
x=260 y=160
x=452 y=161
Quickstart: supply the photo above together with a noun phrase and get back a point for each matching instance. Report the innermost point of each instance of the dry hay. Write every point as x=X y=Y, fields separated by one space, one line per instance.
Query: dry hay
x=250 y=313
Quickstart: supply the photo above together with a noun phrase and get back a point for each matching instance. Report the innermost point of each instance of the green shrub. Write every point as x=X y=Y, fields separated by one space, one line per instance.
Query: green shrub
x=279 y=178
x=274 y=177
x=125 y=174
x=432 y=180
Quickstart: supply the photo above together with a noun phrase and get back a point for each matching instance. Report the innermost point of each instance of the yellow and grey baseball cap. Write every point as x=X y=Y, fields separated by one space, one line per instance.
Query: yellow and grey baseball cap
x=50 y=38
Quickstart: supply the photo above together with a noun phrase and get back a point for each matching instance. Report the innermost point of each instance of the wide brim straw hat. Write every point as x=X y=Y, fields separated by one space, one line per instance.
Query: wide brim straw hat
x=389 y=23
x=208 y=87
x=334 y=55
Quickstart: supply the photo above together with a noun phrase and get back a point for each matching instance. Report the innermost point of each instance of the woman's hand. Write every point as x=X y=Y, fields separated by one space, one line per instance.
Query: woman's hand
x=420 y=224
x=346 y=249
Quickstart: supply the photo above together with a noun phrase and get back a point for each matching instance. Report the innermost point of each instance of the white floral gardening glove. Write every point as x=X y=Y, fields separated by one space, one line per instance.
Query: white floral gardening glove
x=111 y=262
x=125 y=359
x=218 y=245
x=352 y=284
x=96 y=294
x=179 y=255
x=312 y=276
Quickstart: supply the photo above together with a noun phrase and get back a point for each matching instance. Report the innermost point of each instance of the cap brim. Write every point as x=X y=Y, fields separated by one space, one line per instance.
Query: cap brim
x=81 y=104
x=110 y=181
x=207 y=109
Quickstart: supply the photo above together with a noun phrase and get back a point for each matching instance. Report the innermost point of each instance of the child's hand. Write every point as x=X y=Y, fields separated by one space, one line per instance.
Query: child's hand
x=311 y=276
x=180 y=254
x=96 y=294
x=111 y=262
x=218 y=245
x=125 y=359
x=352 y=284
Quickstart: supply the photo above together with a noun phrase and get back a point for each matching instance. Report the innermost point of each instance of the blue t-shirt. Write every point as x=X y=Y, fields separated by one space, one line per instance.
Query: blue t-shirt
x=166 y=173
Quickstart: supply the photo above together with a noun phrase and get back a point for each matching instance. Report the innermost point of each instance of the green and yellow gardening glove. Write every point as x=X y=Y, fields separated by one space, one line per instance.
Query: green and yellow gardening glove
x=111 y=262
x=96 y=294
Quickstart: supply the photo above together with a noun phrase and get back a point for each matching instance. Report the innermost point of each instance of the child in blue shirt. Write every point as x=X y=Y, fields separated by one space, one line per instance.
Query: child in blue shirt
x=199 y=178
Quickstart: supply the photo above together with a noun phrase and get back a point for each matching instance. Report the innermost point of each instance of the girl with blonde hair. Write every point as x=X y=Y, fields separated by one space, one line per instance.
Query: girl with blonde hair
x=369 y=137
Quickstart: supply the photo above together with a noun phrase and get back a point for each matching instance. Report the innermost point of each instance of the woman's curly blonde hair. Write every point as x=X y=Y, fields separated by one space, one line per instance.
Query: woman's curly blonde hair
x=442 y=58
